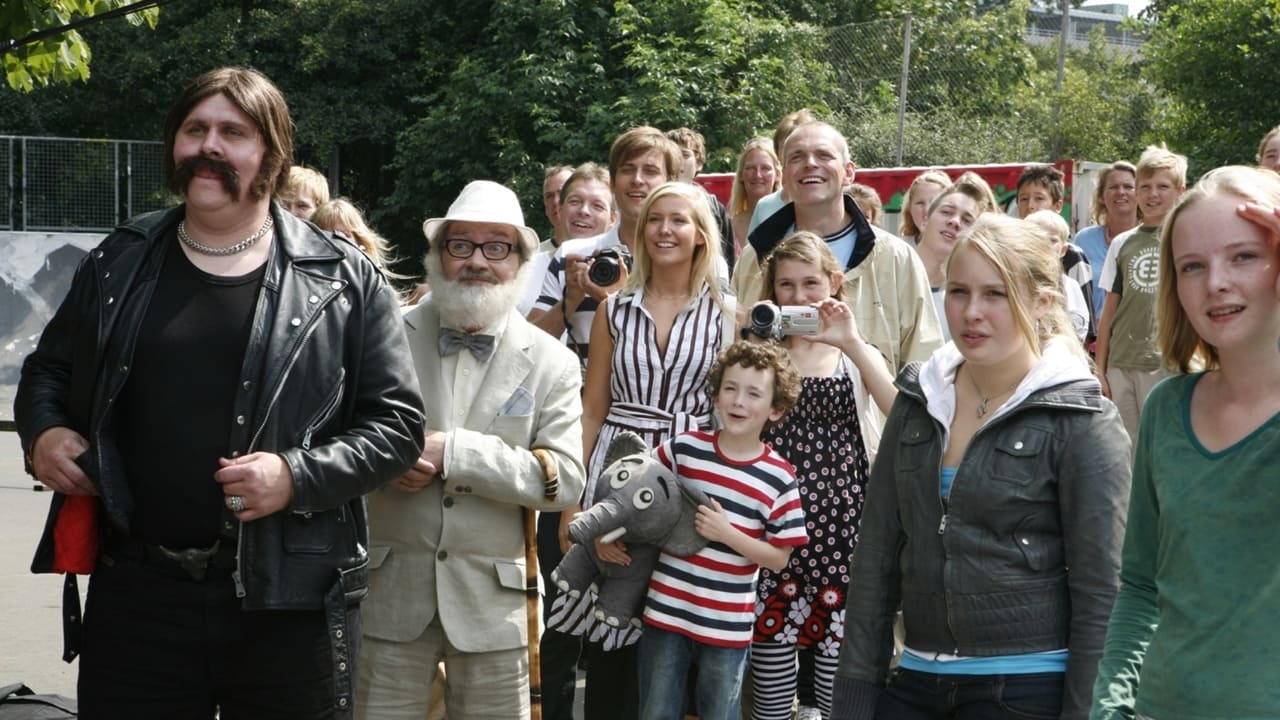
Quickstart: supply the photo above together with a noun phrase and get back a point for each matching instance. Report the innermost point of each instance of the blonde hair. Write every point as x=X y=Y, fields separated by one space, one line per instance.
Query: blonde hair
x=339 y=212
x=1054 y=225
x=970 y=185
x=1029 y=271
x=1098 y=212
x=1262 y=146
x=738 y=197
x=1159 y=157
x=303 y=180
x=703 y=264
x=1180 y=345
x=865 y=193
x=807 y=248
x=936 y=178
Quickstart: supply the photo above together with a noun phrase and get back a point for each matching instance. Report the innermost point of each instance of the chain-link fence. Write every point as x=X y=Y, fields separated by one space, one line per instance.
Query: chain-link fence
x=970 y=88
x=79 y=185
x=6 y=167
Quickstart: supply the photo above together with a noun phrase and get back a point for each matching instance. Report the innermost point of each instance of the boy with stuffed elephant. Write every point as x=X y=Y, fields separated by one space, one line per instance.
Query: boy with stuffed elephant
x=700 y=609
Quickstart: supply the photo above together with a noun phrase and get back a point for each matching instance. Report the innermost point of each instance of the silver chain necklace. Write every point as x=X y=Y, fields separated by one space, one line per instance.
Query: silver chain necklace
x=241 y=246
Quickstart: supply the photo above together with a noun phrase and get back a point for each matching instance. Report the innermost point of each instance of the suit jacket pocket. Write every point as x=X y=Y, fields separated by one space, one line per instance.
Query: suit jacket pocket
x=519 y=404
x=510 y=574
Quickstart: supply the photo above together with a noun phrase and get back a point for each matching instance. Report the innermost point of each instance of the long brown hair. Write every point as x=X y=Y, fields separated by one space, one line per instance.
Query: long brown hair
x=257 y=97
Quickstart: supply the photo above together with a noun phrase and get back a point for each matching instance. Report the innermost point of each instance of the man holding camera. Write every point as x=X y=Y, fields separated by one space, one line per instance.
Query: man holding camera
x=640 y=160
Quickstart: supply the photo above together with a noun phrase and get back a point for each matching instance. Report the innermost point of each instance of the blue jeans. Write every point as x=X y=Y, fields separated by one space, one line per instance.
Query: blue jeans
x=664 y=659
x=915 y=695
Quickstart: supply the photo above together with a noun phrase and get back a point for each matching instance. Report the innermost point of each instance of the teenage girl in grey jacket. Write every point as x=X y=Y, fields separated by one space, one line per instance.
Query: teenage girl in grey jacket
x=995 y=509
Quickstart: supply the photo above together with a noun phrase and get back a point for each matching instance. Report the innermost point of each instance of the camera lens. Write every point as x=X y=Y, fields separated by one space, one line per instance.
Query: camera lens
x=764 y=315
x=604 y=271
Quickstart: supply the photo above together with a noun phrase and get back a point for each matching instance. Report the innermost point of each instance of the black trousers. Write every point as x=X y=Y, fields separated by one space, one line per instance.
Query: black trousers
x=160 y=646
x=559 y=651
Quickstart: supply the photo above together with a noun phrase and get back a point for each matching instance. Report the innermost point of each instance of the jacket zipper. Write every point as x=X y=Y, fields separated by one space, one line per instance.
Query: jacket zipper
x=942 y=525
x=237 y=576
x=326 y=412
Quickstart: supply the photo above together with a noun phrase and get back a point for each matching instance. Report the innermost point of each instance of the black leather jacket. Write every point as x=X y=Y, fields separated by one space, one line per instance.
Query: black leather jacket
x=1024 y=557
x=327 y=382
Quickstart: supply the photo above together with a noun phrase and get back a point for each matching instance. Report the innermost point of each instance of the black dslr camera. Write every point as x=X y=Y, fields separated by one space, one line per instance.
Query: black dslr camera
x=606 y=266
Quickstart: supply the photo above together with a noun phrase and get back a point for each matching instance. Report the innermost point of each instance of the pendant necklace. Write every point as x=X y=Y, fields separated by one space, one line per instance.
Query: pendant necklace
x=983 y=400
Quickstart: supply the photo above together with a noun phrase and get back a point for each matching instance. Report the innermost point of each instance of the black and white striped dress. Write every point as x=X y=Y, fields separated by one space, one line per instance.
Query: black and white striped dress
x=657 y=395
x=654 y=395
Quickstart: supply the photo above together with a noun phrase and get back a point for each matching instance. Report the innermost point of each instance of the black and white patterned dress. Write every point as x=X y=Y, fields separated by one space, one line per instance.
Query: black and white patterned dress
x=822 y=438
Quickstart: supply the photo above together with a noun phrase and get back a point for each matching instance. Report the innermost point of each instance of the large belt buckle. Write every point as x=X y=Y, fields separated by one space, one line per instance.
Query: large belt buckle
x=193 y=561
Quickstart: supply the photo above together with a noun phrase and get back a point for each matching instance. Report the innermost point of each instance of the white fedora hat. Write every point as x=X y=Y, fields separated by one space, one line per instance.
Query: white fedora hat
x=486 y=201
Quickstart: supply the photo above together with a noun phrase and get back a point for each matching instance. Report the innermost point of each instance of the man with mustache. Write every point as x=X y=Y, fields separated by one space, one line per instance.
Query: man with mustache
x=504 y=435
x=221 y=386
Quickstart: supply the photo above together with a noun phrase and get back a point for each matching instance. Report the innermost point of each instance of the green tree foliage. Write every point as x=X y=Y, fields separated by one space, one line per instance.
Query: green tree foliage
x=59 y=58
x=556 y=80
x=410 y=100
x=1105 y=110
x=1215 y=60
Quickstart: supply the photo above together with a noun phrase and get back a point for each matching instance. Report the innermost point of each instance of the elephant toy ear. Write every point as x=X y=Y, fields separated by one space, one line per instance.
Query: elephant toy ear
x=684 y=540
x=626 y=443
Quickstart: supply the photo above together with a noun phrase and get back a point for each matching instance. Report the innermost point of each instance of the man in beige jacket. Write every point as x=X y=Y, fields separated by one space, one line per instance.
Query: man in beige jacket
x=885 y=283
x=504 y=434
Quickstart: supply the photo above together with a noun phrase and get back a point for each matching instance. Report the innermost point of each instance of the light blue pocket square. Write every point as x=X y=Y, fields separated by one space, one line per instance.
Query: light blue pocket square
x=518 y=405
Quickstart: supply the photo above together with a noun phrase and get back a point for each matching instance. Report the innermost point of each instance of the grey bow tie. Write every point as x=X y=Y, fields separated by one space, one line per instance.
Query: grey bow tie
x=451 y=341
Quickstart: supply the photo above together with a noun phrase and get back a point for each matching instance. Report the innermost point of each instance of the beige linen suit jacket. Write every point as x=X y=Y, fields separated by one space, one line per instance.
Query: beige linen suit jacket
x=456 y=548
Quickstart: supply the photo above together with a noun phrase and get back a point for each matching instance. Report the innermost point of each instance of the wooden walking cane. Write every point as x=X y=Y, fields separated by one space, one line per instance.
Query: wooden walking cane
x=551 y=488
x=531 y=614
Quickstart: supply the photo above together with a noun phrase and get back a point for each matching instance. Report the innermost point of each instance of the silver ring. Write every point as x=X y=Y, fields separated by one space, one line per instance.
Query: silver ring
x=235 y=503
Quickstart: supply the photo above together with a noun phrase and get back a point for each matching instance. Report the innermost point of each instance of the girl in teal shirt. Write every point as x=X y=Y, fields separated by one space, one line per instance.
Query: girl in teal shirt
x=1197 y=621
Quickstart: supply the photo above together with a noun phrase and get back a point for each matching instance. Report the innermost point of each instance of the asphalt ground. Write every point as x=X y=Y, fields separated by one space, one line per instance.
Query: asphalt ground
x=30 y=605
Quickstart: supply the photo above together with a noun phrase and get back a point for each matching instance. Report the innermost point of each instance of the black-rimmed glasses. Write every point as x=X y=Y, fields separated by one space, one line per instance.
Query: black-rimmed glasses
x=463 y=249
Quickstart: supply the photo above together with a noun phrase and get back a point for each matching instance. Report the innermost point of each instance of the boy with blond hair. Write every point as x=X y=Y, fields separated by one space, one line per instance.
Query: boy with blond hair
x=303 y=192
x=1055 y=229
x=1128 y=358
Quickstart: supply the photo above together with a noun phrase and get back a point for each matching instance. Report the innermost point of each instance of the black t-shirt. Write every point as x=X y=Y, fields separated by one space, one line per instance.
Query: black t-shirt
x=176 y=409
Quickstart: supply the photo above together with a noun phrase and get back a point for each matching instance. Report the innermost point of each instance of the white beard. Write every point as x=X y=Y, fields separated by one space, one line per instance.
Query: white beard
x=473 y=307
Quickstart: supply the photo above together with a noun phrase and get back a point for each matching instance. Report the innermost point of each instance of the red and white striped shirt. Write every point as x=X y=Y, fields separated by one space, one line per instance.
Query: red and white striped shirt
x=710 y=596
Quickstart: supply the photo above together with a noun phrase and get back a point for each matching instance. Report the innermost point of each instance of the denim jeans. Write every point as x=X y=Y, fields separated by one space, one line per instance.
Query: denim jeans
x=915 y=695
x=664 y=659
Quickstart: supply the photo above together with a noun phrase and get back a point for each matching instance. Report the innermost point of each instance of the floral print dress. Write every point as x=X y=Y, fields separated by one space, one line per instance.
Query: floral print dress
x=822 y=438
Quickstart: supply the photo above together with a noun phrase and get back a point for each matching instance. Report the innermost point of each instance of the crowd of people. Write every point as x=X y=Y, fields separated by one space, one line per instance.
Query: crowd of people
x=997 y=471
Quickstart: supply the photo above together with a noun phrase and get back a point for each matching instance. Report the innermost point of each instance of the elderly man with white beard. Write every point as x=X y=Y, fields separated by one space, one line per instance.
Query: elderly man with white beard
x=447 y=579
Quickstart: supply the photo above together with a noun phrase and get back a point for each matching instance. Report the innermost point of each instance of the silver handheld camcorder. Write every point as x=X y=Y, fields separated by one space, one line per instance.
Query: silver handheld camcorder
x=771 y=321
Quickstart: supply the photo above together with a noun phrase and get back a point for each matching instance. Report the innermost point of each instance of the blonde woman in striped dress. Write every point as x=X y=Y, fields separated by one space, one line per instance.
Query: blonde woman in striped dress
x=652 y=346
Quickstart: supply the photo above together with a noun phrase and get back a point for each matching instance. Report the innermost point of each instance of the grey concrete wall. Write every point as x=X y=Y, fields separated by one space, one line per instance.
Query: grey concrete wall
x=35 y=273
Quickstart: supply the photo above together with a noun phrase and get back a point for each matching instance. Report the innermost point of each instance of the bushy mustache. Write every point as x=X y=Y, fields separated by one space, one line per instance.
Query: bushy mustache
x=227 y=175
x=482 y=275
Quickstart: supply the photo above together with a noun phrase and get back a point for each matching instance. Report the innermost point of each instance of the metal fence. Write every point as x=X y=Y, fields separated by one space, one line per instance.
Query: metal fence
x=79 y=185
x=925 y=92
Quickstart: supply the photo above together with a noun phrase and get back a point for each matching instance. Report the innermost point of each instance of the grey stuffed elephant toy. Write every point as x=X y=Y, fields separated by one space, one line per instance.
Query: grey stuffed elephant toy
x=650 y=508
